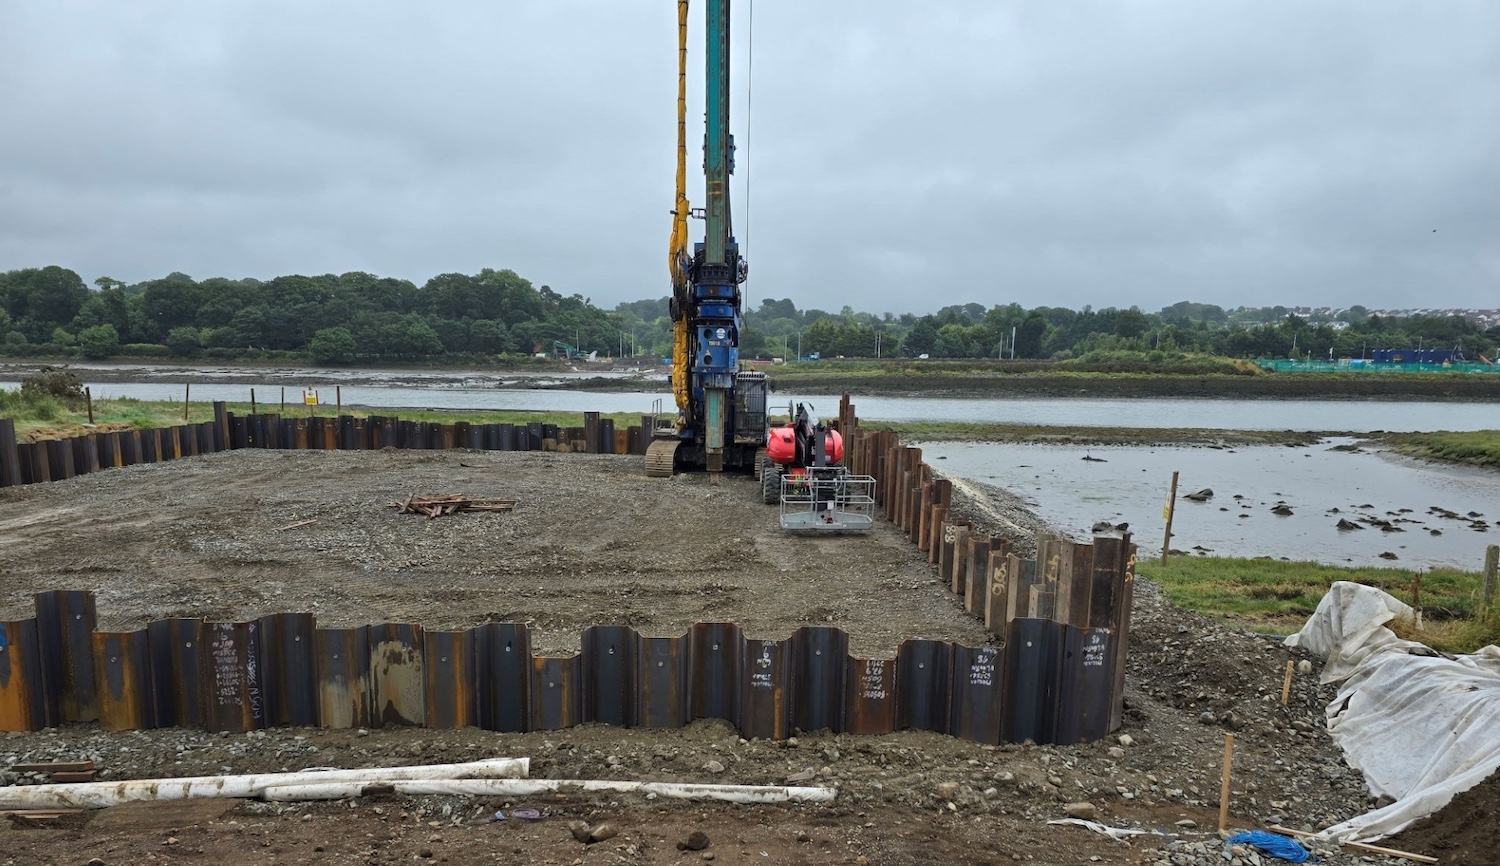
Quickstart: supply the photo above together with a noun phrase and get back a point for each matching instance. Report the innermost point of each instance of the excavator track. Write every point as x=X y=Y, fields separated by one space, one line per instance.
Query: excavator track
x=661 y=458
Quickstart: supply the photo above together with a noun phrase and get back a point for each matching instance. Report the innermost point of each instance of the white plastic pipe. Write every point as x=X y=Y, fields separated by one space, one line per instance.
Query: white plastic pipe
x=97 y=795
x=319 y=790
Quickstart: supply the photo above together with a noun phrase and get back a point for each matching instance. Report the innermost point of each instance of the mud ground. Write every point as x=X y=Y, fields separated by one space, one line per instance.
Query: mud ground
x=593 y=541
x=1465 y=833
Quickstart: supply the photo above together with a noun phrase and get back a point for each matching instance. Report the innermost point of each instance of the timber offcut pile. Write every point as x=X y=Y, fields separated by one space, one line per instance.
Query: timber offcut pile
x=436 y=505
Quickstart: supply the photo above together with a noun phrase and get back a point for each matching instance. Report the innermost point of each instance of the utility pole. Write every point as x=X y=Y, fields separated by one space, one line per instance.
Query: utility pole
x=1013 y=343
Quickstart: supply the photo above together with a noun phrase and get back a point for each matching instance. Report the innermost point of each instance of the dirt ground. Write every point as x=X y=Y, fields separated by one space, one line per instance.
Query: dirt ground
x=1465 y=833
x=591 y=542
x=594 y=541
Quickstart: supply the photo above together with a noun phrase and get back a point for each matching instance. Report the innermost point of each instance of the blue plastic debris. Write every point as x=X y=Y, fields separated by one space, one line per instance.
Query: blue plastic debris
x=1277 y=846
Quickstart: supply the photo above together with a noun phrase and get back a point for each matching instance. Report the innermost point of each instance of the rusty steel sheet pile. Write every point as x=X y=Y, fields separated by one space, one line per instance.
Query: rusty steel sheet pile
x=60 y=459
x=1048 y=682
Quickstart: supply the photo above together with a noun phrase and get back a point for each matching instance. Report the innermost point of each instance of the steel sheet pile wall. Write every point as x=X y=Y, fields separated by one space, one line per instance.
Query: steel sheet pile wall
x=1055 y=674
x=55 y=668
x=60 y=459
x=1062 y=619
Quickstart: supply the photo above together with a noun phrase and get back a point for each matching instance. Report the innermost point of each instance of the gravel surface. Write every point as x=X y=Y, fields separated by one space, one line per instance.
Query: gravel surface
x=593 y=540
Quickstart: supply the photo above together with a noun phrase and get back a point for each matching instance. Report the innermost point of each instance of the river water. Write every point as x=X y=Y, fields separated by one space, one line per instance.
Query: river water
x=1131 y=485
x=1213 y=414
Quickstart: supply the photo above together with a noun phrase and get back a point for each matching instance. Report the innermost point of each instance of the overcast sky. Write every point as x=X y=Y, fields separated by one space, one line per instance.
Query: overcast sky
x=901 y=155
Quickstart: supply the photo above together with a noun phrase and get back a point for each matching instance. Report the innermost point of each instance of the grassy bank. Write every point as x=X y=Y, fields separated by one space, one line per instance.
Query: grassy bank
x=1271 y=595
x=1037 y=434
x=1116 y=375
x=1477 y=448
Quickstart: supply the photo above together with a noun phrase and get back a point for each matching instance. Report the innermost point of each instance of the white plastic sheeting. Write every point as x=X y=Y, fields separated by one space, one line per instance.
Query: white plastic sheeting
x=1419 y=725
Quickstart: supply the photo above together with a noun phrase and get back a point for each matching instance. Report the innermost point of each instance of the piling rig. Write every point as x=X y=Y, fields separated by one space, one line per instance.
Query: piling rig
x=721 y=411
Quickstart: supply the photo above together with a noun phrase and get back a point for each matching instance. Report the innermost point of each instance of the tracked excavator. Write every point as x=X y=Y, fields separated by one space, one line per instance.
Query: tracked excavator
x=721 y=411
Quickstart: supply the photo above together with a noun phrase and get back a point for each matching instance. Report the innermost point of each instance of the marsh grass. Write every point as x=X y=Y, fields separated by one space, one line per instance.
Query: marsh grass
x=1277 y=596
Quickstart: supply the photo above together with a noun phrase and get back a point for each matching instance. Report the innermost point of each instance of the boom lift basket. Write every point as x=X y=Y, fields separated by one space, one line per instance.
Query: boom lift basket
x=827 y=501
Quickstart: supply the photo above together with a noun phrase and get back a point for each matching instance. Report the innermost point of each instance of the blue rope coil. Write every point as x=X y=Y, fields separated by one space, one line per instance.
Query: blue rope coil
x=1277 y=846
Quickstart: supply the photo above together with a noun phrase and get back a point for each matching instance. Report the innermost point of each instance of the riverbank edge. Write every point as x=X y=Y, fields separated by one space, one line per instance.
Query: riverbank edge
x=1437 y=387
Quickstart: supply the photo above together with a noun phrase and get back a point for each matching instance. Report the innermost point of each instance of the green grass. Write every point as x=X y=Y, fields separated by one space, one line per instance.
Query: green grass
x=1271 y=595
x=1041 y=434
x=1477 y=448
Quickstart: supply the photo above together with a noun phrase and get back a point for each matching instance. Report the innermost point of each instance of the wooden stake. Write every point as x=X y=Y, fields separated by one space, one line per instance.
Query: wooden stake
x=1491 y=565
x=88 y=395
x=1416 y=597
x=187 y=391
x=1360 y=846
x=1286 y=687
x=338 y=396
x=1166 y=542
x=283 y=399
x=1224 y=787
x=252 y=401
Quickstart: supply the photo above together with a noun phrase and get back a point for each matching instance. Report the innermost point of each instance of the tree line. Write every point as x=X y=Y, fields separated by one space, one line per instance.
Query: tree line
x=345 y=318
x=335 y=319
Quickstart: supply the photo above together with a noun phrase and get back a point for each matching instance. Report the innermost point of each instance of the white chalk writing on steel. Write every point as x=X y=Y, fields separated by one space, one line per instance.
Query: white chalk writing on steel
x=982 y=671
x=872 y=684
x=1095 y=648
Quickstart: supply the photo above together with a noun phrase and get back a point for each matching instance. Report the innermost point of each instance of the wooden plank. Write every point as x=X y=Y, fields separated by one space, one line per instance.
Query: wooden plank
x=1360 y=846
x=54 y=767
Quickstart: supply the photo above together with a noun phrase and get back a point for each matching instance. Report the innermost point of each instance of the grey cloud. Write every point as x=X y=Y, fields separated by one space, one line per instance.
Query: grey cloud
x=900 y=156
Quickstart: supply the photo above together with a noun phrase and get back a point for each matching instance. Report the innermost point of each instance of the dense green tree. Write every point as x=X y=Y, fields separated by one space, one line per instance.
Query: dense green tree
x=100 y=341
x=170 y=302
x=39 y=300
x=332 y=346
x=490 y=336
x=184 y=341
x=923 y=337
